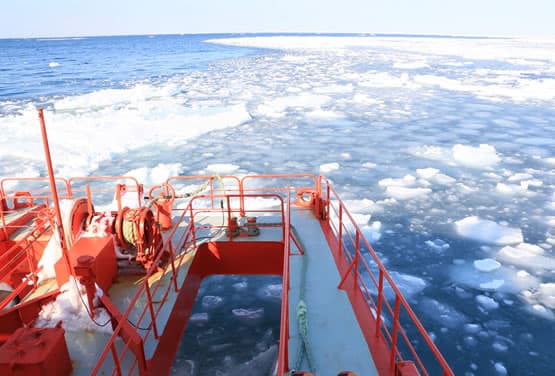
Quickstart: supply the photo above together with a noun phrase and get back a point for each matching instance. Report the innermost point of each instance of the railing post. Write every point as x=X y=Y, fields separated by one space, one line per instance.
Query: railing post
x=340 y=228
x=211 y=191
x=229 y=218
x=357 y=254
x=58 y=227
x=116 y=359
x=192 y=224
x=395 y=330
x=242 y=197
x=379 y=307
x=151 y=309
x=174 y=273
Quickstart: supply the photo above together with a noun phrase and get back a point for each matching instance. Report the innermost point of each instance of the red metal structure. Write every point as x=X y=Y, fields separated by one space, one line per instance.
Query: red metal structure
x=169 y=252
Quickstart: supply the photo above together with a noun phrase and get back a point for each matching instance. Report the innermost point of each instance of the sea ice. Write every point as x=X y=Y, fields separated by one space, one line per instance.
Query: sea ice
x=437 y=244
x=199 y=318
x=403 y=193
x=329 y=167
x=210 y=302
x=443 y=313
x=240 y=286
x=443 y=179
x=483 y=156
x=427 y=173
x=155 y=175
x=405 y=181
x=486 y=265
x=519 y=176
x=526 y=255
x=271 y=293
x=372 y=232
x=251 y=317
x=363 y=206
x=486 y=302
x=511 y=189
x=492 y=285
x=487 y=231
x=500 y=369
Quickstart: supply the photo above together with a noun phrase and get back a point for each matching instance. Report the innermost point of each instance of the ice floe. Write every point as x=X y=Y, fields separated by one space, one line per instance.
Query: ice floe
x=483 y=156
x=527 y=255
x=326 y=168
x=210 y=302
x=486 y=302
x=437 y=244
x=487 y=231
x=251 y=317
x=486 y=265
x=271 y=293
x=404 y=193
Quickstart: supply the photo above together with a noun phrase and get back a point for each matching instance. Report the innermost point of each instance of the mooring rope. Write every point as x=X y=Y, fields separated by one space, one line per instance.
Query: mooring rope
x=302 y=314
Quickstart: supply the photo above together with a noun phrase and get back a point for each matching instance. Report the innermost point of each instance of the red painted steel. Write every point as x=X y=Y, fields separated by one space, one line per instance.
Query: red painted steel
x=382 y=341
x=53 y=188
x=103 y=266
x=283 y=354
x=34 y=351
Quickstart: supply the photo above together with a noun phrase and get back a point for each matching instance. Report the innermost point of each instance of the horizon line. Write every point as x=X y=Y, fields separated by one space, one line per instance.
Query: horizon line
x=312 y=33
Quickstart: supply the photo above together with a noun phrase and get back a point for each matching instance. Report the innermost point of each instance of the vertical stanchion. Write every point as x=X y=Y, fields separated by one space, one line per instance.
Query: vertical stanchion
x=54 y=191
x=395 y=330
x=379 y=308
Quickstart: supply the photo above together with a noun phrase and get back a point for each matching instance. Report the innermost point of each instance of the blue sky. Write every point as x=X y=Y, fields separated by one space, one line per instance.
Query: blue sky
x=56 y=18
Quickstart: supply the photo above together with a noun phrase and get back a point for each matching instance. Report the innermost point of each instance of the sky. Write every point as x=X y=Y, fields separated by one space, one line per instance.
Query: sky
x=61 y=18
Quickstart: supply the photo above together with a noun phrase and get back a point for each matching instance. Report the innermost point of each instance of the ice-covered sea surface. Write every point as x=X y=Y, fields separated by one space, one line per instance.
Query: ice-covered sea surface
x=442 y=147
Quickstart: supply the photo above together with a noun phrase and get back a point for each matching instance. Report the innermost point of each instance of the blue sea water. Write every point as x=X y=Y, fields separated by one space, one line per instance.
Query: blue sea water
x=38 y=69
x=396 y=124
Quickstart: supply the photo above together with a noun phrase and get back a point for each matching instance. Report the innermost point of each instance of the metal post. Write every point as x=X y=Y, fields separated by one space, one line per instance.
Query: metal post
x=172 y=257
x=59 y=227
x=379 y=308
x=192 y=224
x=357 y=254
x=116 y=359
x=340 y=228
x=151 y=309
x=395 y=330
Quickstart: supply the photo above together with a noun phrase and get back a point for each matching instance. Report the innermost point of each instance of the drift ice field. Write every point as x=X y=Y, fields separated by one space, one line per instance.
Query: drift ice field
x=444 y=149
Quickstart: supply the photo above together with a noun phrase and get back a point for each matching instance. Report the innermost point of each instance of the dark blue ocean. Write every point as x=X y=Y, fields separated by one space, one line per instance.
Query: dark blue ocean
x=441 y=147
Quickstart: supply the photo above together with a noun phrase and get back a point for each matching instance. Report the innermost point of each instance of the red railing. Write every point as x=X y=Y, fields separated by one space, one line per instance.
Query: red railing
x=283 y=354
x=123 y=185
x=35 y=194
x=25 y=217
x=187 y=240
x=353 y=247
x=392 y=319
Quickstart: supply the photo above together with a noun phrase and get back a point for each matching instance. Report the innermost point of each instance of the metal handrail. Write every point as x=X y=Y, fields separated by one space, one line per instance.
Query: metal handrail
x=344 y=218
x=146 y=289
x=135 y=186
x=283 y=360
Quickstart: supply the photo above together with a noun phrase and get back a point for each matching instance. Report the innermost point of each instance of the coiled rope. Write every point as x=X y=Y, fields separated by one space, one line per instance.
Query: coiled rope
x=129 y=229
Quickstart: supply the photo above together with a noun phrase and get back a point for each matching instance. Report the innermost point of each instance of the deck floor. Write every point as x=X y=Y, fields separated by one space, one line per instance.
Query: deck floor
x=335 y=339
